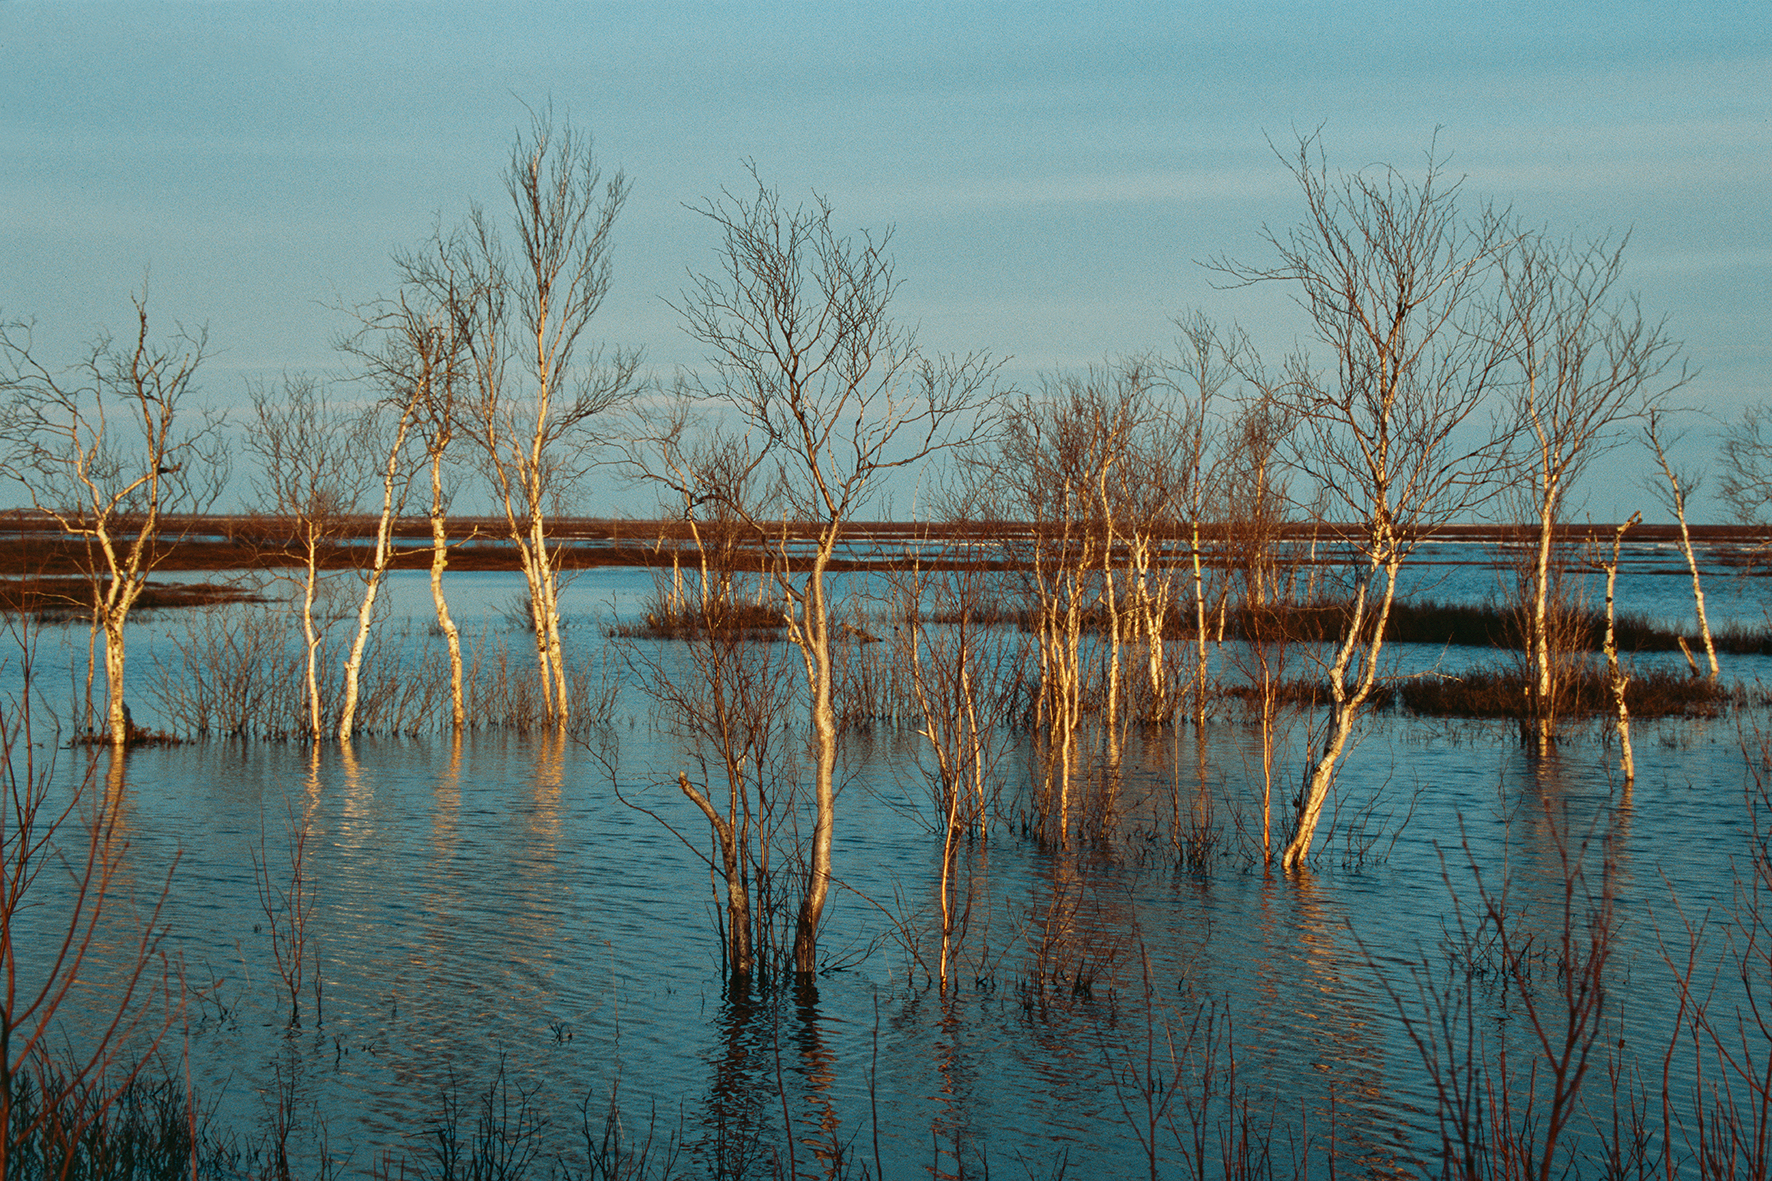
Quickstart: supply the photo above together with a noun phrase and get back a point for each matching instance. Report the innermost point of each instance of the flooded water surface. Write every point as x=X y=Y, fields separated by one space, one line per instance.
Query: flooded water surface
x=542 y=906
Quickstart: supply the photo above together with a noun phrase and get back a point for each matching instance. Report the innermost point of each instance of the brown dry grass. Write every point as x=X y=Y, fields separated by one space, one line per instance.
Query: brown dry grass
x=1659 y=694
x=75 y=596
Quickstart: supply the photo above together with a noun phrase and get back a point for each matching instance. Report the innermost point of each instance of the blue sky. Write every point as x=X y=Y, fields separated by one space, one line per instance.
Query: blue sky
x=1052 y=172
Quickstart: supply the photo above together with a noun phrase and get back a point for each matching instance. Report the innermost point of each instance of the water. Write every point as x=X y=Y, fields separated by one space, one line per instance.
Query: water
x=510 y=900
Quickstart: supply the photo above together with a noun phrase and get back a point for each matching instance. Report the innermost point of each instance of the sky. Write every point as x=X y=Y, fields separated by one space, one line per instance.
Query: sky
x=1053 y=176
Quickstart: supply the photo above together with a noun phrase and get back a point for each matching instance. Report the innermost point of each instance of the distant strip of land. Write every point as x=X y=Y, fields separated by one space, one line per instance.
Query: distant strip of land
x=44 y=568
x=33 y=545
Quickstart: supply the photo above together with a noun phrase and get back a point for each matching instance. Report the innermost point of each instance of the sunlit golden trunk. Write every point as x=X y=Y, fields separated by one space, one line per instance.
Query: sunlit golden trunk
x=1618 y=679
x=1201 y=665
x=445 y=622
x=814 y=636
x=1544 y=700
x=378 y=567
x=311 y=634
x=1347 y=701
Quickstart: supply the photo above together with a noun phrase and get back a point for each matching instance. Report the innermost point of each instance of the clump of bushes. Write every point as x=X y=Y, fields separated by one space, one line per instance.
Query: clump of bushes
x=1659 y=694
x=1425 y=621
x=691 y=621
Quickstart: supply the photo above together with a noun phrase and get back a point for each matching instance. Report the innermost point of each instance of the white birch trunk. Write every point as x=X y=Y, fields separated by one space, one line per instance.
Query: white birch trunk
x=1153 y=610
x=384 y=556
x=1543 y=721
x=1347 y=704
x=814 y=637
x=1618 y=678
x=1200 y=665
x=311 y=636
x=446 y=624
x=118 y=719
x=1710 y=648
x=1111 y=704
x=1679 y=505
x=113 y=606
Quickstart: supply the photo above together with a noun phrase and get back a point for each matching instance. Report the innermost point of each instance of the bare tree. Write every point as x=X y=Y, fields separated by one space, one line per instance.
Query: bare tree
x=964 y=674
x=732 y=700
x=389 y=443
x=1063 y=463
x=1673 y=494
x=1587 y=363
x=537 y=386
x=110 y=448
x=1745 y=483
x=834 y=396
x=411 y=348
x=1255 y=489
x=1387 y=270
x=1207 y=364
x=313 y=468
x=1111 y=472
x=425 y=334
x=1256 y=502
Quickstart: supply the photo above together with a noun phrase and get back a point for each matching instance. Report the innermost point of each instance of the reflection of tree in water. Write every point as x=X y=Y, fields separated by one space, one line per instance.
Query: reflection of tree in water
x=952 y=1131
x=1339 y=1024
x=1531 y=965
x=820 y=1065
x=1561 y=807
x=771 y=1064
x=1271 y=1032
x=737 y=1119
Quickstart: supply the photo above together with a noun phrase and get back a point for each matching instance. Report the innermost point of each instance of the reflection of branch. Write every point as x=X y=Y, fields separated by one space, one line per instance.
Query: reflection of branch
x=1480 y=1111
x=83 y=837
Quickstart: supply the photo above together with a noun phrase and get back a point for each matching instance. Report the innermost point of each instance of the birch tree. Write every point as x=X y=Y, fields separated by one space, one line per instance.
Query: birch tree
x=1256 y=502
x=1679 y=486
x=1204 y=367
x=111 y=448
x=962 y=673
x=1617 y=679
x=1387 y=271
x=1060 y=463
x=1745 y=482
x=1255 y=495
x=803 y=356
x=313 y=469
x=412 y=348
x=732 y=700
x=416 y=347
x=1585 y=363
x=436 y=343
x=389 y=444
x=1104 y=471
x=537 y=385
